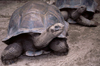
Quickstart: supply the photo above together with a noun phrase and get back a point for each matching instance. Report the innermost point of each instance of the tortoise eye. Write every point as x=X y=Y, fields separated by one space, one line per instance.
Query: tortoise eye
x=57 y=26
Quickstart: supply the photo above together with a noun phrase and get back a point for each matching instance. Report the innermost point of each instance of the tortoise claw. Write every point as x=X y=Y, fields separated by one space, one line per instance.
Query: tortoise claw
x=37 y=53
x=31 y=53
x=9 y=61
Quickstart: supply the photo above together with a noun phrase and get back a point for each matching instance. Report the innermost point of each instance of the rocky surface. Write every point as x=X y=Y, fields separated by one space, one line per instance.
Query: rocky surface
x=84 y=42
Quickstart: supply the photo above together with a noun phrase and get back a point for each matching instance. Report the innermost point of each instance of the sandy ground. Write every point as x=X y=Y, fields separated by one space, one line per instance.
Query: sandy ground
x=84 y=43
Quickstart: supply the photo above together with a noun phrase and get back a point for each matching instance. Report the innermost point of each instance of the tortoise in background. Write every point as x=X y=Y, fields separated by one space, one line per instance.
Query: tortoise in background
x=32 y=28
x=78 y=11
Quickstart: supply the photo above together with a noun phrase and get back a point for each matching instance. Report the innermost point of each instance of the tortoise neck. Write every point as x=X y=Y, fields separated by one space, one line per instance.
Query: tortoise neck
x=43 y=39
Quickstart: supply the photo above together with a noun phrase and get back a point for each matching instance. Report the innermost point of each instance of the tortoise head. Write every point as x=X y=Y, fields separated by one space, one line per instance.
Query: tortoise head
x=81 y=9
x=56 y=29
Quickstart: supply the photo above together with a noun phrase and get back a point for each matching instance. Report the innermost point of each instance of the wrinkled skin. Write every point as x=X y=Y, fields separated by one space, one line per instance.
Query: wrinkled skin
x=31 y=44
x=59 y=45
x=39 y=25
x=80 y=16
x=83 y=21
x=75 y=14
x=65 y=15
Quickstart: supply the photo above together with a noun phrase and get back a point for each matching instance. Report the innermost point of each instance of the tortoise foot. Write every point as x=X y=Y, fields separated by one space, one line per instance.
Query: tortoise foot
x=11 y=53
x=8 y=61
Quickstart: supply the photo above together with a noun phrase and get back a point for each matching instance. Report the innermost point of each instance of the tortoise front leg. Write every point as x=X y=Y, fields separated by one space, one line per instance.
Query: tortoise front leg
x=29 y=48
x=65 y=15
x=84 y=21
x=59 y=45
x=11 y=53
x=28 y=44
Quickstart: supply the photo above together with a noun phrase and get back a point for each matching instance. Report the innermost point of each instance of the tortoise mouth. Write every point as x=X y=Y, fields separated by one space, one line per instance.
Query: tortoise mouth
x=58 y=29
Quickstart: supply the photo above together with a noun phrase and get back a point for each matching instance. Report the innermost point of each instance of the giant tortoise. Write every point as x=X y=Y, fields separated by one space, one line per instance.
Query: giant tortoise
x=80 y=11
x=33 y=27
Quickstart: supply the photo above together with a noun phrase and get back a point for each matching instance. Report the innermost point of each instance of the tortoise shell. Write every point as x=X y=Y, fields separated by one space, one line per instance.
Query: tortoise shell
x=90 y=4
x=36 y=17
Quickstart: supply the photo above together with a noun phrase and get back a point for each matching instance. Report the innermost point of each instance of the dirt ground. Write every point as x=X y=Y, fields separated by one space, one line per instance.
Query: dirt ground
x=84 y=43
